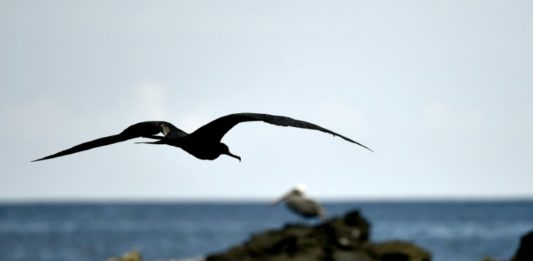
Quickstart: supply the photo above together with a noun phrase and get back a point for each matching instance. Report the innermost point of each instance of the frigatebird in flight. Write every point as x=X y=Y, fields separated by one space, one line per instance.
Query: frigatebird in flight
x=204 y=143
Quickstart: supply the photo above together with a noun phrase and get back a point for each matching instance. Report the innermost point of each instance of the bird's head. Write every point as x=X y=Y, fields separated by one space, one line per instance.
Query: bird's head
x=225 y=150
x=297 y=191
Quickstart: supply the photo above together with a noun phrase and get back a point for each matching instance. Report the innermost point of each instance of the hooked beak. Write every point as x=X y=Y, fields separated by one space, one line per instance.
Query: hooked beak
x=233 y=155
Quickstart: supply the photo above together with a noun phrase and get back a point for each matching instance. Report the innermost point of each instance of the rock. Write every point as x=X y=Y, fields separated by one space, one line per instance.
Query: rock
x=337 y=239
x=130 y=256
x=525 y=249
x=399 y=251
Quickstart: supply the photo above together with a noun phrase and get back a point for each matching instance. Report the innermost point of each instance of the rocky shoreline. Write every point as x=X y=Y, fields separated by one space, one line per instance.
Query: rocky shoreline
x=344 y=238
x=340 y=238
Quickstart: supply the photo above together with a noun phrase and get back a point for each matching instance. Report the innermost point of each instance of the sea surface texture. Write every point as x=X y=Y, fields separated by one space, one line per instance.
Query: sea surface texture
x=458 y=231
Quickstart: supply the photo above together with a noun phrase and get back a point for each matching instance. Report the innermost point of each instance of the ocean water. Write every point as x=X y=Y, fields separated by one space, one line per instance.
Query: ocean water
x=452 y=231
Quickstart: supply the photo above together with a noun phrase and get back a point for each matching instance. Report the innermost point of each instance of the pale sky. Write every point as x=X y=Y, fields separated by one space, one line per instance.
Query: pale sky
x=441 y=90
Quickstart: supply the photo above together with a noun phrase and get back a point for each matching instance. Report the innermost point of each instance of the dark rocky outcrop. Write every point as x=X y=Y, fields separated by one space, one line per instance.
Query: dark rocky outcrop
x=345 y=238
x=525 y=249
x=399 y=251
x=338 y=239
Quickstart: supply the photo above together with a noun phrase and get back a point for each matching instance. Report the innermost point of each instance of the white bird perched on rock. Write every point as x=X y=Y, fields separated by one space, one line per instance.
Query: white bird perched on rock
x=298 y=203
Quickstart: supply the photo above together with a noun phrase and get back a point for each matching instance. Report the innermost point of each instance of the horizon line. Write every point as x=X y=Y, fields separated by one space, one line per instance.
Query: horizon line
x=326 y=200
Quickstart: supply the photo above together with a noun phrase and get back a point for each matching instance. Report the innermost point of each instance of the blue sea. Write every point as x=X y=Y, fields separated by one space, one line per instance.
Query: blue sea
x=451 y=231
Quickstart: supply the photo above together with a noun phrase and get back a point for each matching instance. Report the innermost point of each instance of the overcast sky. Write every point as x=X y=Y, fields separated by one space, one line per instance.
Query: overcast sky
x=441 y=90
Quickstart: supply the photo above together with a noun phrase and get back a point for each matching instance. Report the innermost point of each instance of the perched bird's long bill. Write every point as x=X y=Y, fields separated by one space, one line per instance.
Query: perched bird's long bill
x=280 y=199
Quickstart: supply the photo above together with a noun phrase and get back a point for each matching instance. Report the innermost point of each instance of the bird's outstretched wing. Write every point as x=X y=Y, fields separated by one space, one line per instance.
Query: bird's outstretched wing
x=215 y=130
x=145 y=129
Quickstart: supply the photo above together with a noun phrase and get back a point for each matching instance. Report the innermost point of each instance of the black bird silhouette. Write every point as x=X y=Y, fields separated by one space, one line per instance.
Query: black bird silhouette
x=204 y=143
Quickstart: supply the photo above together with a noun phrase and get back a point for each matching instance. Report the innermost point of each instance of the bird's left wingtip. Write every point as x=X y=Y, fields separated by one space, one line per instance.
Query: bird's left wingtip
x=44 y=158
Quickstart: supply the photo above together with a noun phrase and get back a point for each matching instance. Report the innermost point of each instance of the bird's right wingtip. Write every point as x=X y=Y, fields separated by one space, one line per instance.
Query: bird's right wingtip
x=364 y=146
